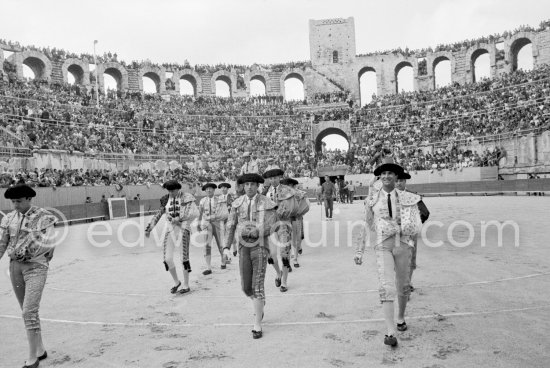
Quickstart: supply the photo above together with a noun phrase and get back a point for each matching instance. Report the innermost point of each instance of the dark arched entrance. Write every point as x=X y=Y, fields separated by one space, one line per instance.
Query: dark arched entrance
x=325 y=133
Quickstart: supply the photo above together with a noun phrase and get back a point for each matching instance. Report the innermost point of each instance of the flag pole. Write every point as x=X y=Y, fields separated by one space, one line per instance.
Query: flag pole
x=96 y=76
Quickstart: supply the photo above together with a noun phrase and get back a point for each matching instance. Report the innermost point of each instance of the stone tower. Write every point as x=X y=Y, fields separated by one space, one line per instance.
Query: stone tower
x=332 y=41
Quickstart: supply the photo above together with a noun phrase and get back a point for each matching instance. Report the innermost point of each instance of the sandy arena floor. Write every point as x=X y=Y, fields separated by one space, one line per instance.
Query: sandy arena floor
x=474 y=305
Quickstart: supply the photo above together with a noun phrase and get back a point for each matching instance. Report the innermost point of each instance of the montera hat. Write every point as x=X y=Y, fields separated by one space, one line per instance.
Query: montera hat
x=250 y=178
x=289 y=181
x=19 y=191
x=388 y=165
x=404 y=175
x=209 y=185
x=224 y=185
x=275 y=171
x=171 y=185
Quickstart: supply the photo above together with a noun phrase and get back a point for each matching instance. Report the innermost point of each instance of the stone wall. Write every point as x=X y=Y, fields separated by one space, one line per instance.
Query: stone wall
x=334 y=65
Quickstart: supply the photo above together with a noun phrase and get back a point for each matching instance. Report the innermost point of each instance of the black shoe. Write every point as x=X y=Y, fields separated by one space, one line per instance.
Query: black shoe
x=390 y=340
x=206 y=272
x=402 y=326
x=257 y=334
x=289 y=268
x=223 y=267
x=411 y=288
x=284 y=289
x=183 y=291
x=278 y=282
x=296 y=265
x=43 y=356
x=175 y=288
x=34 y=365
x=300 y=251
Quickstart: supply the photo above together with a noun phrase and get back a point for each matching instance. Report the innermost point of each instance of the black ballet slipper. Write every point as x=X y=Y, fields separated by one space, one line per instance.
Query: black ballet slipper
x=390 y=340
x=257 y=334
x=402 y=326
x=175 y=288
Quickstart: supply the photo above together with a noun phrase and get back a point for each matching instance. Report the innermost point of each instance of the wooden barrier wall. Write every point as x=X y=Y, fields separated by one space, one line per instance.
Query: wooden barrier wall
x=70 y=200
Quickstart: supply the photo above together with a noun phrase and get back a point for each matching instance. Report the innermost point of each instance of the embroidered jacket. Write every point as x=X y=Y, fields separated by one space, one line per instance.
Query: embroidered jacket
x=212 y=209
x=405 y=223
x=182 y=209
x=27 y=237
x=258 y=224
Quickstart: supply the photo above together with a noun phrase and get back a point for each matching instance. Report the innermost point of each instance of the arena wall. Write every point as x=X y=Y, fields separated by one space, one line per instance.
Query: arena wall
x=334 y=65
x=68 y=203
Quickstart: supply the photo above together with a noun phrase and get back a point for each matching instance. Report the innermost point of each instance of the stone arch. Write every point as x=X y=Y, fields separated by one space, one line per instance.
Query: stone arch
x=189 y=75
x=292 y=73
x=400 y=65
x=228 y=78
x=365 y=69
x=115 y=70
x=436 y=59
x=474 y=53
x=1 y=59
x=37 y=61
x=362 y=71
x=326 y=132
x=78 y=68
x=516 y=42
x=157 y=74
x=257 y=75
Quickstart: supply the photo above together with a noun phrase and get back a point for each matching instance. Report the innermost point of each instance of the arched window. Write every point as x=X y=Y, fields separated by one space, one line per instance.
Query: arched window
x=257 y=87
x=294 y=88
x=335 y=56
x=223 y=89
x=367 y=85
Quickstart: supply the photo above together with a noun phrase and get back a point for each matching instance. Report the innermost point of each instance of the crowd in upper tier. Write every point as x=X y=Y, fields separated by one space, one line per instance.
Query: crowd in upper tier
x=211 y=133
x=462 y=45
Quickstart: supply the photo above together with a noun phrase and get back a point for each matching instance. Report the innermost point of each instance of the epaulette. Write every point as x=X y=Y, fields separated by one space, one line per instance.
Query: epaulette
x=285 y=192
x=408 y=198
x=187 y=197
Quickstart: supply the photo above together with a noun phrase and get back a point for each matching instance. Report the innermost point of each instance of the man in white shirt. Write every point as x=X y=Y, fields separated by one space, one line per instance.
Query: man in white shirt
x=393 y=248
x=250 y=166
x=208 y=220
x=274 y=175
x=252 y=219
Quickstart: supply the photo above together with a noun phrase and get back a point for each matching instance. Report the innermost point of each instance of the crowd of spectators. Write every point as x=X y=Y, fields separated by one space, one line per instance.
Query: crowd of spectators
x=462 y=45
x=517 y=102
x=211 y=133
x=329 y=98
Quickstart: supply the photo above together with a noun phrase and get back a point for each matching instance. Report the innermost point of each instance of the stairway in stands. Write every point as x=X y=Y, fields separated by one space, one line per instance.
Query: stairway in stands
x=57 y=73
x=330 y=80
x=275 y=82
x=206 y=80
x=133 y=80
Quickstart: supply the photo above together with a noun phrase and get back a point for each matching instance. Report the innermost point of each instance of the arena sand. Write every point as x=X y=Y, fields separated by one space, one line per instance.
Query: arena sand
x=473 y=306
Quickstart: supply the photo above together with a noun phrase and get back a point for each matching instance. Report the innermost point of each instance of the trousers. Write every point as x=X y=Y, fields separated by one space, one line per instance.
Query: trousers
x=171 y=239
x=215 y=230
x=393 y=260
x=329 y=205
x=28 y=281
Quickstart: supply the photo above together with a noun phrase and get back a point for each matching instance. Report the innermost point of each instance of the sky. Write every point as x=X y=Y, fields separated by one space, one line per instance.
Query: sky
x=252 y=31
x=249 y=31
